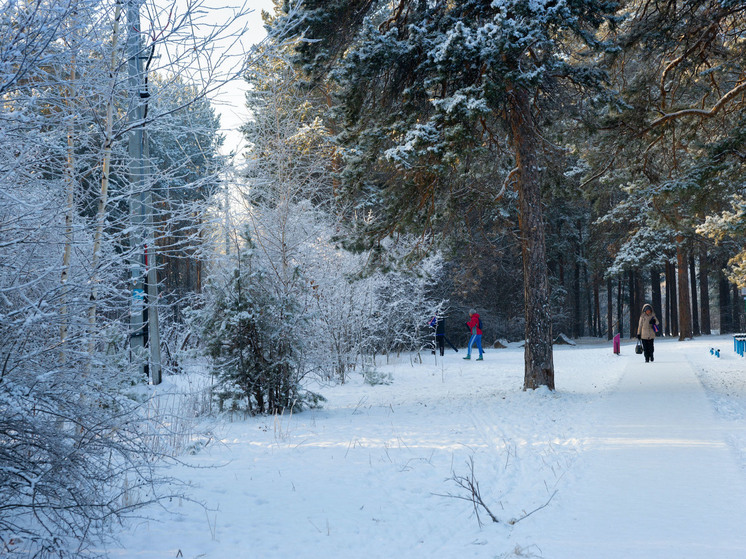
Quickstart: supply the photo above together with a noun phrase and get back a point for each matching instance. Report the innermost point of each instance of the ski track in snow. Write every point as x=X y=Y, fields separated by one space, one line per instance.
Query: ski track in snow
x=623 y=460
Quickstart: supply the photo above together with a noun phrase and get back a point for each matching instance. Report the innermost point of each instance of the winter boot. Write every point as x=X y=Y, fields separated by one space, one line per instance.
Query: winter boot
x=467 y=357
x=480 y=358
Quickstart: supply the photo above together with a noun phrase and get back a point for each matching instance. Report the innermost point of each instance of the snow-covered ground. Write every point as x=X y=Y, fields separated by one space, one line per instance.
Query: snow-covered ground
x=625 y=460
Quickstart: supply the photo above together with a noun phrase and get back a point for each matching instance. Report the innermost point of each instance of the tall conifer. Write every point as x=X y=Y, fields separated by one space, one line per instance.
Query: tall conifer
x=429 y=88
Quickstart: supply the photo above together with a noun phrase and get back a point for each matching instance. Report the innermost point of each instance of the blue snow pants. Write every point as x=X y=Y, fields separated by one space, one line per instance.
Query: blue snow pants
x=475 y=338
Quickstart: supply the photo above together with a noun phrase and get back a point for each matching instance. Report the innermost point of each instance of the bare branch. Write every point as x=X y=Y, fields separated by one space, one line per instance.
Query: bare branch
x=474 y=496
x=517 y=520
x=473 y=493
x=704 y=113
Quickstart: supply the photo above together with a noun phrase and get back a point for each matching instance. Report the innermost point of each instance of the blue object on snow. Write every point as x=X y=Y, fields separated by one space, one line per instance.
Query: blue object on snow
x=739 y=344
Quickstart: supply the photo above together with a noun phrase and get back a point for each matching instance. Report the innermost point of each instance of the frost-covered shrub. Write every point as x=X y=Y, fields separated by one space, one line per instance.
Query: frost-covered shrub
x=74 y=460
x=248 y=333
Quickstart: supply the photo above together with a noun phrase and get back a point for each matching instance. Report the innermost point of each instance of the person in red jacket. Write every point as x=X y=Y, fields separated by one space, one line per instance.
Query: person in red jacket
x=475 y=326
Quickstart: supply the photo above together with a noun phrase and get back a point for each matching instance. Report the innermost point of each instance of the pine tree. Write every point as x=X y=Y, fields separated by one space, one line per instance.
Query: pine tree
x=428 y=89
x=676 y=138
x=243 y=331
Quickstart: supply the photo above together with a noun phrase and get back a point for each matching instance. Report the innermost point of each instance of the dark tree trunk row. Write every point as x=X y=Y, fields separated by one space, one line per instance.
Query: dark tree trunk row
x=679 y=293
x=686 y=289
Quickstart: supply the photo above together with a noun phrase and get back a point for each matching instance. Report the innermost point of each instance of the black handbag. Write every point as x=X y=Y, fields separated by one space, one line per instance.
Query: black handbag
x=638 y=347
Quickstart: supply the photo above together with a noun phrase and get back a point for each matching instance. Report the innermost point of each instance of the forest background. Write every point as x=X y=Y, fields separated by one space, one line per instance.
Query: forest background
x=552 y=164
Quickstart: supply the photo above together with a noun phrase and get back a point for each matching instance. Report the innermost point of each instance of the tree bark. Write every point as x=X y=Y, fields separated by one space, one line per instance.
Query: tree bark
x=655 y=289
x=724 y=303
x=736 y=308
x=620 y=305
x=630 y=302
x=695 y=306
x=609 y=309
x=634 y=303
x=577 y=322
x=672 y=300
x=596 y=318
x=539 y=360
x=685 y=316
x=639 y=295
x=667 y=317
x=704 y=289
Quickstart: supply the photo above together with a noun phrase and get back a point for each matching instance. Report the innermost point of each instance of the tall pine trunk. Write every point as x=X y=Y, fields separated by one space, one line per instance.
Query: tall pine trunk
x=609 y=308
x=635 y=301
x=655 y=290
x=596 y=319
x=620 y=305
x=671 y=298
x=695 y=306
x=724 y=301
x=577 y=315
x=631 y=304
x=736 y=308
x=704 y=289
x=685 y=316
x=539 y=360
x=640 y=287
x=667 y=316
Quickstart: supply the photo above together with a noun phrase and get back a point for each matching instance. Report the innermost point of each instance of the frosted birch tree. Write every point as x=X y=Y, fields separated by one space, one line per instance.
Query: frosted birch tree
x=328 y=314
x=76 y=450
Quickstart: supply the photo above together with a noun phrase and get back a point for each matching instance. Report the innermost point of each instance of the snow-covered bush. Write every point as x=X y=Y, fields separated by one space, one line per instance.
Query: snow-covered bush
x=252 y=337
x=359 y=314
x=75 y=461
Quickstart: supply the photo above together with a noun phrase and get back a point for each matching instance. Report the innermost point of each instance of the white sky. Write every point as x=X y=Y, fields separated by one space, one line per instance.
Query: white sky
x=229 y=100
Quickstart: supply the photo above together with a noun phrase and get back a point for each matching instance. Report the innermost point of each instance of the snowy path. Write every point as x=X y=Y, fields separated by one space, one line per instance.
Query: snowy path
x=657 y=478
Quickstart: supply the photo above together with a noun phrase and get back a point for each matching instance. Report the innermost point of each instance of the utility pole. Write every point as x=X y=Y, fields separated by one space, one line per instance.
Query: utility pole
x=144 y=333
x=151 y=265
